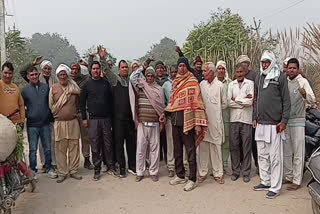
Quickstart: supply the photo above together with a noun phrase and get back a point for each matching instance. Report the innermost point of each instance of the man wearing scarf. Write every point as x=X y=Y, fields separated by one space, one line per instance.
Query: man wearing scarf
x=147 y=104
x=301 y=95
x=271 y=114
x=223 y=76
x=240 y=99
x=123 y=124
x=81 y=79
x=197 y=70
x=215 y=100
x=189 y=122
x=64 y=102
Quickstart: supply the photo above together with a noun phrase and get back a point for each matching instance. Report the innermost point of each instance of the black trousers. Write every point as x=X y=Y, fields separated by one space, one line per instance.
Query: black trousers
x=240 y=133
x=188 y=140
x=163 y=146
x=100 y=136
x=254 y=149
x=124 y=130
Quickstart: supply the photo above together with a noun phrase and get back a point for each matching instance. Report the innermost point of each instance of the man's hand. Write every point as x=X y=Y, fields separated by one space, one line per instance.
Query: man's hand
x=162 y=118
x=254 y=124
x=102 y=52
x=85 y=123
x=281 y=127
x=178 y=50
x=110 y=62
x=303 y=92
x=151 y=58
x=249 y=96
x=37 y=60
x=198 y=130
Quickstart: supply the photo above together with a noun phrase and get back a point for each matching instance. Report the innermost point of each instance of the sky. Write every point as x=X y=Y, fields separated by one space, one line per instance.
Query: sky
x=128 y=28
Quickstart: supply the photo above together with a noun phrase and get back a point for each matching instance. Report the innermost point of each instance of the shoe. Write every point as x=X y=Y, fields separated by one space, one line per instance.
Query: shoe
x=61 y=178
x=272 y=195
x=104 y=169
x=201 y=179
x=54 y=167
x=122 y=173
x=96 y=176
x=132 y=171
x=171 y=174
x=293 y=187
x=234 y=177
x=189 y=186
x=154 y=178
x=52 y=174
x=177 y=181
x=76 y=176
x=42 y=170
x=139 y=178
x=285 y=181
x=246 y=179
x=87 y=164
x=261 y=187
x=113 y=173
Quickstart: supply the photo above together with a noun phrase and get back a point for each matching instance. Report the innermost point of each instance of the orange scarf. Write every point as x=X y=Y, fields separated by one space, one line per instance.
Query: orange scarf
x=186 y=96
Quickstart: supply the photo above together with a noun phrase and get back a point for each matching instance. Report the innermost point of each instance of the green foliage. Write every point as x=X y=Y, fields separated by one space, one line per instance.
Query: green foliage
x=19 y=147
x=164 y=51
x=17 y=54
x=54 y=48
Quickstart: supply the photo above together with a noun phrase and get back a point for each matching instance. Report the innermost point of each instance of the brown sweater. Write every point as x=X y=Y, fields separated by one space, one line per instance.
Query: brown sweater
x=69 y=109
x=146 y=112
x=11 y=101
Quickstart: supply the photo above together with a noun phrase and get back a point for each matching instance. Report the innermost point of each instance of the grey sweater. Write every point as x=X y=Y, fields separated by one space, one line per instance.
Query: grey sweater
x=272 y=104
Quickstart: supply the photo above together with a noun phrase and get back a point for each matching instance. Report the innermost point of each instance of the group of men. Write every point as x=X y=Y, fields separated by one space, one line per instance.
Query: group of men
x=194 y=118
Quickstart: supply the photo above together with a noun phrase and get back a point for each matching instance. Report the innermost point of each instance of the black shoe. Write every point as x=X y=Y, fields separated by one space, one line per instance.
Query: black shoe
x=261 y=187
x=113 y=172
x=76 y=176
x=61 y=178
x=87 y=164
x=122 y=173
x=246 y=179
x=272 y=195
x=96 y=176
x=234 y=177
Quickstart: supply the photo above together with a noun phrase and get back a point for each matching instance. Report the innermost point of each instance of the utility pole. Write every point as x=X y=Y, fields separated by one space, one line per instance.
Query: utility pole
x=257 y=29
x=2 y=32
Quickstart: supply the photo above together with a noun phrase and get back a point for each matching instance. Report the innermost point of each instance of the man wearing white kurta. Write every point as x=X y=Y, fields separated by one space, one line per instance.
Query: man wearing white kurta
x=301 y=94
x=214 y=98
x=240 y=99
x=271 y=114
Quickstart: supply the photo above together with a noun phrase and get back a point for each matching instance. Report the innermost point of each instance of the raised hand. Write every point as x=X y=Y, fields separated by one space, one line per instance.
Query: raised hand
x=37 y=60
x=102 y=52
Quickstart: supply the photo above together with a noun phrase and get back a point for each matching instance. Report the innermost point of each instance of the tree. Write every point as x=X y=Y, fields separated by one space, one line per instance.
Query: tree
x=223 y=37
x=54 y=48
x=18 y=54
x=164 y=51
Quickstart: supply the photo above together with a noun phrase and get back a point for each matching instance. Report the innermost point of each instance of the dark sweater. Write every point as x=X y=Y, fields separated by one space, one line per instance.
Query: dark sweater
x=121 y=103
x=97 y=96
x=36 y=101
x=272 y=103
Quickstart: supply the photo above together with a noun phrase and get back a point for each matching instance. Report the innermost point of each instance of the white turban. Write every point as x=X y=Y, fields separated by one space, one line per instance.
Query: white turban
x=134 y=62
x=84 y=70
x=273 y=71
x=223 y=64
x=63 y=67
x=243 y=58
x=44 y=63
x=286 y=60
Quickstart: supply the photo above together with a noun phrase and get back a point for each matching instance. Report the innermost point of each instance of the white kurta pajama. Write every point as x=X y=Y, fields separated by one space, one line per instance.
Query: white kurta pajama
x=214 y=98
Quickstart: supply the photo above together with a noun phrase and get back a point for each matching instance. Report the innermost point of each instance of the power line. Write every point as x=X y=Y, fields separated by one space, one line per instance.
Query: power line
x=281 y=9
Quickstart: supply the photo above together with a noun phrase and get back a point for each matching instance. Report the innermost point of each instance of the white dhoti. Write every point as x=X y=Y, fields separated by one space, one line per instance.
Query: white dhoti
x=210 y=154
x=270 y=156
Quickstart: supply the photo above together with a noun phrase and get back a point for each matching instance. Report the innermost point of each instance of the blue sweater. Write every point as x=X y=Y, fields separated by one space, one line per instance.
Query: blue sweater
x=36 y=100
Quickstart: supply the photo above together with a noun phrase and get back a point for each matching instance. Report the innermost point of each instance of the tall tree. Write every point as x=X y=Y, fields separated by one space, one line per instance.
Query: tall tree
x=53 y=47
x=17 y=54
x=164 y=51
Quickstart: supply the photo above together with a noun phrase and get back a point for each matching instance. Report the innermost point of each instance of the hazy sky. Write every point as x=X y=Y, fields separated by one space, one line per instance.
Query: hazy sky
x=129 y=27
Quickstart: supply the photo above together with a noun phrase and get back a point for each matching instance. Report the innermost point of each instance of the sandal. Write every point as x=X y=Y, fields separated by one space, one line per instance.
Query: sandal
x=293 y=187
x=219 y=180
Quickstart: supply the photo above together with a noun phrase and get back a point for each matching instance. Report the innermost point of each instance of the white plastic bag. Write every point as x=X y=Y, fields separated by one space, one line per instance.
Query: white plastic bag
x=8 y=137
